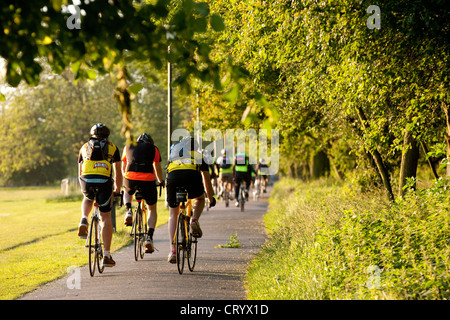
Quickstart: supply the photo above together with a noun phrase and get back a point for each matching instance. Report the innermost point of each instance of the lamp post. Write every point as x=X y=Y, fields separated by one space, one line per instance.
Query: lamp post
x=169 y=105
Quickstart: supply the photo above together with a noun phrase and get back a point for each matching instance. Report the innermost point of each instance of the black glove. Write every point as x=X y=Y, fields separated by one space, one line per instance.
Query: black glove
x=161 y=184
x=213 y=203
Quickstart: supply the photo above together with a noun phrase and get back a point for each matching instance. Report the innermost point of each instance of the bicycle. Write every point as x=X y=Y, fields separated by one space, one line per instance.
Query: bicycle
x=258 y=188
x=242 y=197
x=185 y=242
x=139 y=227
x=94 y=240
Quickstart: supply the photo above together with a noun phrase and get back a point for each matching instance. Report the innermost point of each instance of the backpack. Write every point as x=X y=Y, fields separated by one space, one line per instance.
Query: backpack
x=97 y=149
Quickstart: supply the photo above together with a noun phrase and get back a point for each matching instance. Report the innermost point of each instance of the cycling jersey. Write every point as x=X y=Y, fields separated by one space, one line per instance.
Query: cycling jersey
x=98 y=167
x=140 y=159
x=225 y=167
x=241 y=162
x=186 y=163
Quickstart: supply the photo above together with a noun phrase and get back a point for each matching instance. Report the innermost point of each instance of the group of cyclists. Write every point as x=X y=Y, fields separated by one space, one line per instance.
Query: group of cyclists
x=228 y=172
x=103 y=172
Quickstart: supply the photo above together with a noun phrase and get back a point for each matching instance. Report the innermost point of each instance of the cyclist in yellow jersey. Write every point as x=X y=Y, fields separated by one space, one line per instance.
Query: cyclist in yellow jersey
x=182 y=171
x=96 y=160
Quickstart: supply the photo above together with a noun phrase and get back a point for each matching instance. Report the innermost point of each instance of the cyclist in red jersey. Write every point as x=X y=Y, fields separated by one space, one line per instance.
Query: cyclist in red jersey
x=141 y=166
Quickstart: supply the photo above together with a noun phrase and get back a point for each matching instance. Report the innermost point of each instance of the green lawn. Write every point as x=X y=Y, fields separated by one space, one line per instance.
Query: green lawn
x=38 y=238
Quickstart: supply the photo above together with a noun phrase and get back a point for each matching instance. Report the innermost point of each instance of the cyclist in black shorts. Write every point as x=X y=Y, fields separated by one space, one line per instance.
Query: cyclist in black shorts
x=96 y=160
x=182 y=171
x=141 y=166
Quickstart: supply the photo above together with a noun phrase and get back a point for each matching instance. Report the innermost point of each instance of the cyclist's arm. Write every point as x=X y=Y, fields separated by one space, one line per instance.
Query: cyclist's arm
x=158 y=170
x=124 y=160
x=208 y=186
x=117 y=176
x=80 y=164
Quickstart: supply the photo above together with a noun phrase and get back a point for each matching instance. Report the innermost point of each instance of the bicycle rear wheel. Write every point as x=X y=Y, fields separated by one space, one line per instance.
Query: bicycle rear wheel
x=137 y=226
x=242 y=200
x=99 y=248
x=192 y=252
x=226 y=197
x=181 y=243
x=92 y=246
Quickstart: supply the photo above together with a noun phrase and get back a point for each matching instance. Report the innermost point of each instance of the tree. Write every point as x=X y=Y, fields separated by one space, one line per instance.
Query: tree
x=110 y=34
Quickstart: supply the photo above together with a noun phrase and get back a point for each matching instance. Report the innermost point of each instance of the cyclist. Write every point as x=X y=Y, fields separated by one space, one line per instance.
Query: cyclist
x=225 y=165
x=242 y=173
x=261 y=170
x=182 y=171
x=96 y=160
x=141 y=166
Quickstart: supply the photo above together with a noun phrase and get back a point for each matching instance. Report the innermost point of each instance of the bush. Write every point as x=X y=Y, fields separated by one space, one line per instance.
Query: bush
x=332 y=243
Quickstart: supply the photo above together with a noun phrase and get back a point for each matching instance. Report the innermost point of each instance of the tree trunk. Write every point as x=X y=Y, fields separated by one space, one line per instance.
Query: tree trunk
x=384 y=173
x=447 y=135
x=320 y=165
x=430 y=162
x=410 y=159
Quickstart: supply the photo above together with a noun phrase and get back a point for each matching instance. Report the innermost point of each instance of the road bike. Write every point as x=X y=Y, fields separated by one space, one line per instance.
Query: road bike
x=241 y=196
x=139 y=227
x=94 y=240
x=94 y=243
x=258 y=188
x=184 y=240
x=226 y=193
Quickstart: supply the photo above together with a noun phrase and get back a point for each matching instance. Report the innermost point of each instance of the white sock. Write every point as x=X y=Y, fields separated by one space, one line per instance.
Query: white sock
x=106 y=254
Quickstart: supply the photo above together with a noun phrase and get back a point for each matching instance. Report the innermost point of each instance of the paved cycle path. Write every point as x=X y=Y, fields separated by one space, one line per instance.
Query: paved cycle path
x=218 y=275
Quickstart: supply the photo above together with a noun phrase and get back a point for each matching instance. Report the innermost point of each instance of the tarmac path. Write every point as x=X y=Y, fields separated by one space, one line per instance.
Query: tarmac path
x=219 y=272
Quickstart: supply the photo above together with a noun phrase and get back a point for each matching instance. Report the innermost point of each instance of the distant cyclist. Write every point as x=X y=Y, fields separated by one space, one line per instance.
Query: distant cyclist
x=242 y=173
x=96 y=160
x=262 y=169
x=183 y=171
x=141 y=166
x=225 y=164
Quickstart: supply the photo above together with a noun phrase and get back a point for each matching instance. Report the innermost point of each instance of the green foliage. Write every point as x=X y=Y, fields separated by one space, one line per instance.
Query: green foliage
x=233 y=243
x=36 y=145
x=330 y=240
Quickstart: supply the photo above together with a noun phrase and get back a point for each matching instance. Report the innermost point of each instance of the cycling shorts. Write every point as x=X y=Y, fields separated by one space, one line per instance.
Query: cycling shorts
x=189 y=179
x=147 y=188
x=104 y=195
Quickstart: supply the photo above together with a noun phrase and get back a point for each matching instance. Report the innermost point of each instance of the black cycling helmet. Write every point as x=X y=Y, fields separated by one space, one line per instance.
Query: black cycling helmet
x=189 y=143
x=144 y=138
x=99 y=130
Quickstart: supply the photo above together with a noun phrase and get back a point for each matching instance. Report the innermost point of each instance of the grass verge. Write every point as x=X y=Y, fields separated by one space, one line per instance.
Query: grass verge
x=38 y=238
x=330 y=241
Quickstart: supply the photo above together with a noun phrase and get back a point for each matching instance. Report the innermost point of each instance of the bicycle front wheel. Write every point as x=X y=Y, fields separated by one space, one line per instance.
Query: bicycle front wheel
x=181 y=243
x=92 y=246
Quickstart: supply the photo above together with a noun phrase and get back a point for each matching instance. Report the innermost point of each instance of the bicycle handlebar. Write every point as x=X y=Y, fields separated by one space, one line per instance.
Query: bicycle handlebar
x=161 y=185
x=116 y=195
